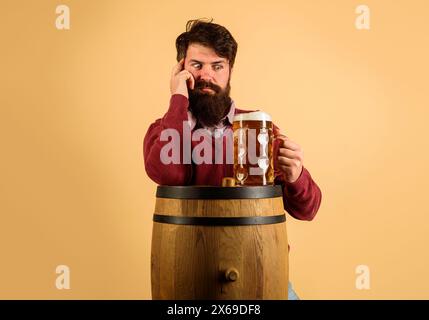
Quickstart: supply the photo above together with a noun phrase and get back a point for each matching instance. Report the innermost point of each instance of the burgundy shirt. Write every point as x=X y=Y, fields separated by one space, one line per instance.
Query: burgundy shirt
x=301 y=198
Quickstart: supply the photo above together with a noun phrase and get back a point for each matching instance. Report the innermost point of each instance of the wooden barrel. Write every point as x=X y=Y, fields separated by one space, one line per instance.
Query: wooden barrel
x=219 y=243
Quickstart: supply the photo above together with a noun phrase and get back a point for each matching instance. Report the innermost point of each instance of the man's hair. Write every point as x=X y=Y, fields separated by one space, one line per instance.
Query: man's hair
x=209 y=35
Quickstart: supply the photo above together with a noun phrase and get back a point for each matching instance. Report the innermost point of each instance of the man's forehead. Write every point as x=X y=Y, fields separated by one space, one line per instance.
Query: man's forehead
x=203 y=54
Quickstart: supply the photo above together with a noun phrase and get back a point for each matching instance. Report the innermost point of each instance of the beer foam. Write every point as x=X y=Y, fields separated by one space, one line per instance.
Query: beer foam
x=253 y=116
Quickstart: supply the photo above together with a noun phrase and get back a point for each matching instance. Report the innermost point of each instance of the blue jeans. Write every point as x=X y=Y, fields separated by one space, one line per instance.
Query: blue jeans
x=291 y=293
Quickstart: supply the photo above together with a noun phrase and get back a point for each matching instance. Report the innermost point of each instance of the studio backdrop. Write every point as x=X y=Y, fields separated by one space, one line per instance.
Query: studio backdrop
x=81 y=81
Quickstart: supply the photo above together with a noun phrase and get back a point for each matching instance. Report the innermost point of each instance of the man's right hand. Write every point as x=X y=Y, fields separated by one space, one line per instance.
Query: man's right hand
x=180 y=78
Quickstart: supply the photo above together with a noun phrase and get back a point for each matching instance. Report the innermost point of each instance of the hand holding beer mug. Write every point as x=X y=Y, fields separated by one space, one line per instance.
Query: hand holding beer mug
x=253 y=149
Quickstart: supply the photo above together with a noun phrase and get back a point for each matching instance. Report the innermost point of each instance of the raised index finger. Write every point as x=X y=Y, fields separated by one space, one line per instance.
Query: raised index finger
x=179 y=66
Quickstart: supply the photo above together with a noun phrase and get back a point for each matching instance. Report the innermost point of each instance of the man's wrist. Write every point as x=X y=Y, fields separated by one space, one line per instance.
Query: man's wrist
x=183 y=90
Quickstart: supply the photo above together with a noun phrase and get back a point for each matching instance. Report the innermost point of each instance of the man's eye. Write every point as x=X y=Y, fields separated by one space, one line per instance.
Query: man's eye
x=218 y=67
x=196 y=65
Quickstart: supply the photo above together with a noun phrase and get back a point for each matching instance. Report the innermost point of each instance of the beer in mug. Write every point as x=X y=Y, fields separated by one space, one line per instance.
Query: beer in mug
x=253 y=149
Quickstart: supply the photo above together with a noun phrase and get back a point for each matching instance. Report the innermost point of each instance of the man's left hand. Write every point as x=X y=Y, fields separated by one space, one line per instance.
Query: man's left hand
x=290 y=158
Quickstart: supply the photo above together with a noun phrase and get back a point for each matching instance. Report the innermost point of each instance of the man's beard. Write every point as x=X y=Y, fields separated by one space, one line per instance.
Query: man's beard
x=209 y=109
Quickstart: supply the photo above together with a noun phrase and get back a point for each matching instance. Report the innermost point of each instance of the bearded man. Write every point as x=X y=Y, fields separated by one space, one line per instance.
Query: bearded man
x=200 y=99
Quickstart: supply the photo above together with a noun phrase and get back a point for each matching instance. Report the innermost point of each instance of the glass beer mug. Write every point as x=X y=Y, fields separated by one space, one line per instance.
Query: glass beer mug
x=253 y=149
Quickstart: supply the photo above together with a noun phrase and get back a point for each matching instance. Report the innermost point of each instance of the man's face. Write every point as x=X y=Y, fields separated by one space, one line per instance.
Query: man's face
x=207 y=67
x=209 y=101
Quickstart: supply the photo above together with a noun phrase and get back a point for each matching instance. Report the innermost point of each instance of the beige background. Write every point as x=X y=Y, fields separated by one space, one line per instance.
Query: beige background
x=75 y=106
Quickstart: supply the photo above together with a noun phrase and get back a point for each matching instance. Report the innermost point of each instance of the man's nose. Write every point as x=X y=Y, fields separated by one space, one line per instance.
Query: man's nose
x=206 y=73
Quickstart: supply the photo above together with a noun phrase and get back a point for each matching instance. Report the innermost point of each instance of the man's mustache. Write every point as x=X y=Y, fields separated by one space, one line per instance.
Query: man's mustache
x=201 y=84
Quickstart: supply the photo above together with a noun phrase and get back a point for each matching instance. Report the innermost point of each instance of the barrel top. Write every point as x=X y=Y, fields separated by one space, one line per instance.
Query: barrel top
x=212 y=192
